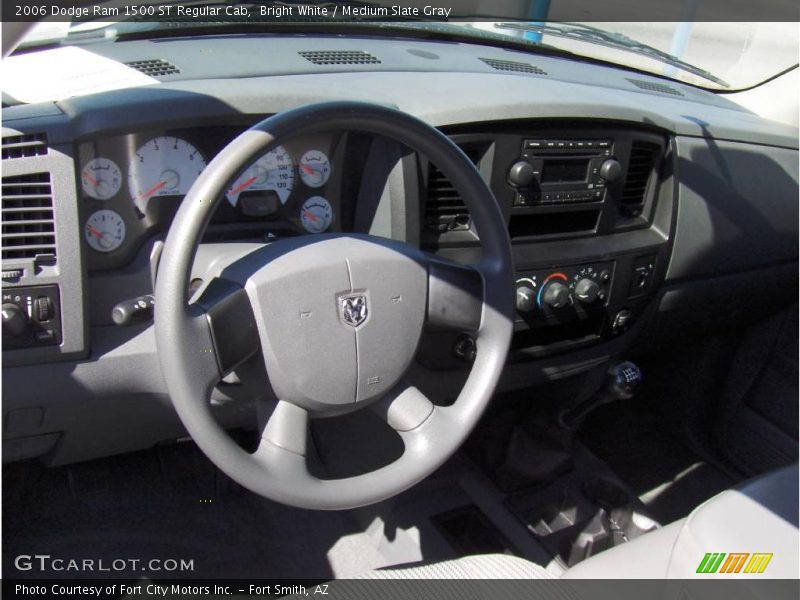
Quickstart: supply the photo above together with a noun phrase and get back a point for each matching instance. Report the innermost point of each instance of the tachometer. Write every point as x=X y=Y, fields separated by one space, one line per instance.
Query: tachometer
x=274 y=171
x=316 y=214
x=105 y=231
x=315 y=168
x=101 y=178
x=164 y=166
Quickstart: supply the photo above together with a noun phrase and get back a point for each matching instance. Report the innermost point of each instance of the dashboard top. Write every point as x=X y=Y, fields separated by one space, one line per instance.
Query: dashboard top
x=423 y=78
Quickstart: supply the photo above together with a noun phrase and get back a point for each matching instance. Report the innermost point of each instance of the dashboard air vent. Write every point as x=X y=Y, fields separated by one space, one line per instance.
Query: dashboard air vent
x=511 y=65
x=445 y=210
x=640 y=168
x=154 y=68
x=28 y=222
x=23 y=146
x=652 y=86
x=340 y=57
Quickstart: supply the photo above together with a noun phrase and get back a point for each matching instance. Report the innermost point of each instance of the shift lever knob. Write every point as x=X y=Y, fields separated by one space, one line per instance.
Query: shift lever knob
x=624 y=380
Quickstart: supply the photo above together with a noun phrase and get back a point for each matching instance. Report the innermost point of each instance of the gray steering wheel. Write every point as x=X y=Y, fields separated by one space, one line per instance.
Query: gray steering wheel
x=336 y=320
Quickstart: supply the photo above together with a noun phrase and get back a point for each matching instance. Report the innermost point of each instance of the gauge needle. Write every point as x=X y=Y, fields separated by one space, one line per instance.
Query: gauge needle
x=153 y=190
x=246 y=184
x=91 y=179
x=95 y=232
x=310 y=215
x=307 y=169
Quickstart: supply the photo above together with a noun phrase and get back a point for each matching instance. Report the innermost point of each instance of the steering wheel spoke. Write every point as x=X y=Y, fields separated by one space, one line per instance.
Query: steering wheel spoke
x=455 y=295
x=404 y=408
x=283 y=425
x=231 y=323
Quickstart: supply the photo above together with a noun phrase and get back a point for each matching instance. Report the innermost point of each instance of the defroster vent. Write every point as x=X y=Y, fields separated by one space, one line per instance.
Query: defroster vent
x=513 y=66
x=28 y=221
x=155 y=67
x=340 y=57
x=652 y=86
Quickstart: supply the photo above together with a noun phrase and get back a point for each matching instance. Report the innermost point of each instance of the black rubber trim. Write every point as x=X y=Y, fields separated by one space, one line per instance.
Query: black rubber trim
x=455 y=296
x=232 y=323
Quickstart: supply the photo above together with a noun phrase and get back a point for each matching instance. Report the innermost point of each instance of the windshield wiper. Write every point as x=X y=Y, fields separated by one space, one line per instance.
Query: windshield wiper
x=586 y=33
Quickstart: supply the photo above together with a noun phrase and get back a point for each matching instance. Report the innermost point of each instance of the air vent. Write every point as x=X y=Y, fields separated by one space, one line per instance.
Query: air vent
x=23 y=146
x=340 y=57
x=28 y=223
x=510 y=65
x=640 y=168
x=445 y=210
x=652 y=86
x=154 y=68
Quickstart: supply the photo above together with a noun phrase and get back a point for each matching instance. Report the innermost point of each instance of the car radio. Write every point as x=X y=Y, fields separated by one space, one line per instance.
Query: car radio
x=558 y=171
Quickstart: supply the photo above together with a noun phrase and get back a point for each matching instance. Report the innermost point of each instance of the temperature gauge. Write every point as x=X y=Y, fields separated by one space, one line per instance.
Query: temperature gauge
x=101 y=178
x=105 y=231
x=316 y=214
x=315 y=168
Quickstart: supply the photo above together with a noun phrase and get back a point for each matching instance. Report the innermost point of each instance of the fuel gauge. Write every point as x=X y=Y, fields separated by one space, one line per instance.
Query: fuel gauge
x=315 y=168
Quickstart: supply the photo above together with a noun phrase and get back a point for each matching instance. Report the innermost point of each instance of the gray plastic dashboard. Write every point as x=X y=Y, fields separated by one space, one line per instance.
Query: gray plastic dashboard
x=732 y=199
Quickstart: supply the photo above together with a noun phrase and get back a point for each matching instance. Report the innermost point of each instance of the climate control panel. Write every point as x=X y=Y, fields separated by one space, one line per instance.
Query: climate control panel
x=565 y=293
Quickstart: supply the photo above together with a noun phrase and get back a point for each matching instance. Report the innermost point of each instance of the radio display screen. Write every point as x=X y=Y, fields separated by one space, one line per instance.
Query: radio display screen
x=556 y=171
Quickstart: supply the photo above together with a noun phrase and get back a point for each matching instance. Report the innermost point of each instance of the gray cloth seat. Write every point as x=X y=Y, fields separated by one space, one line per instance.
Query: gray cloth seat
x=759 y=517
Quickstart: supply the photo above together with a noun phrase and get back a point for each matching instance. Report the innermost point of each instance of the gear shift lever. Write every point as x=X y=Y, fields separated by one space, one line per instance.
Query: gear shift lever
x=623 y=382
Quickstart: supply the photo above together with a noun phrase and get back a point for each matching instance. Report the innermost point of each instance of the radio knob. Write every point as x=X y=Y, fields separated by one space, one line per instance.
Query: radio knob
x=587 y=290
x=14 y=322
x=521 y=174
x=526 y=298
x=611 y=170
x=556 y=295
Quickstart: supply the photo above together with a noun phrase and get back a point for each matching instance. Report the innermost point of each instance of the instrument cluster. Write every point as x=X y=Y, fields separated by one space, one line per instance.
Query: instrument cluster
x=131 y=185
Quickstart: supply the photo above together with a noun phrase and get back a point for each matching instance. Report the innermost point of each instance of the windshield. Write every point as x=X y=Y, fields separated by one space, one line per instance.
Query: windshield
x=714 y=55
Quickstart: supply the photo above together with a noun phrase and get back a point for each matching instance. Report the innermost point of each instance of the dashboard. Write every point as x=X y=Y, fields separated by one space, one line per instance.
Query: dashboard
x=641 y=212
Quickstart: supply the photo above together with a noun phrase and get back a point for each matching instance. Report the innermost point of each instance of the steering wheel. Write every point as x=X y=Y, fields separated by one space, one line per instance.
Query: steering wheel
x=336 y=320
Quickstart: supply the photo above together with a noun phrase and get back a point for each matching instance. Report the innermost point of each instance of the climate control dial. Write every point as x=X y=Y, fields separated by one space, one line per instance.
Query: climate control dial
x=587 y=290
x=556 y=295
x=554 y=291
x=526 y=295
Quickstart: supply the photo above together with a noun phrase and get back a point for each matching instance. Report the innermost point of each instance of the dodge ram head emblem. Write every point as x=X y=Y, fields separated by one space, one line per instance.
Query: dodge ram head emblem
x=353 y=309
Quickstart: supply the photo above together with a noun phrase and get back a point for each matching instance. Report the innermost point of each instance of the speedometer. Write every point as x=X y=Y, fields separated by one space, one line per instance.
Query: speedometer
x=274 y=171
x=164 y=166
